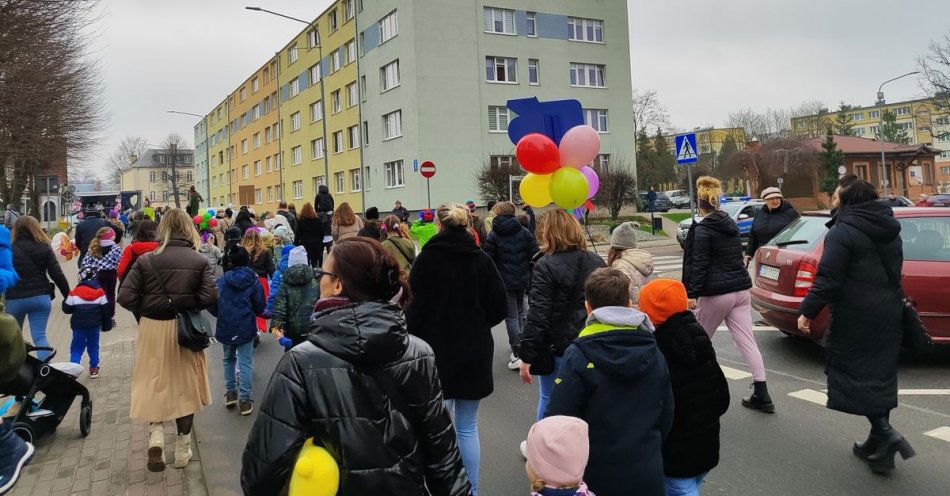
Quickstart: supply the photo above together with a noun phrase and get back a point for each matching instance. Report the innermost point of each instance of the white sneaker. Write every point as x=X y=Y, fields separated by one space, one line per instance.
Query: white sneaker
x=524 y=449
x=514 y=363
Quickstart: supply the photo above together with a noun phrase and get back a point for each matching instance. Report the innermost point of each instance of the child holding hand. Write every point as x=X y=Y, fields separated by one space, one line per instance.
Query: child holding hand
x=88 y=306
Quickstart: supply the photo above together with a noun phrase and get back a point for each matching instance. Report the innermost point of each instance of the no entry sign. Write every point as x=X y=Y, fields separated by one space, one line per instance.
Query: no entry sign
x=427 y=169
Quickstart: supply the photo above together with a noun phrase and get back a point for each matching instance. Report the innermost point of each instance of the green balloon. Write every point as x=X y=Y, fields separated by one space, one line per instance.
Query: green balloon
x=569 y=188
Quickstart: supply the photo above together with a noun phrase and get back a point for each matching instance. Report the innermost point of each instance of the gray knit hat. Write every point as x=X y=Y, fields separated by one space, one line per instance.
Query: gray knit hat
x=625 y=235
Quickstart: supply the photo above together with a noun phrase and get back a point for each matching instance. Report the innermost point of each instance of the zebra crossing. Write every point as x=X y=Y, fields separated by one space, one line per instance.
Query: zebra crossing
x=662 y=264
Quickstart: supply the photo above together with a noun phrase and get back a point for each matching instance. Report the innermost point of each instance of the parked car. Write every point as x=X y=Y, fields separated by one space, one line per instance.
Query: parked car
x=902 y=201
x=940 y=200
x=785 y=269
x=742 y=210
x=663 y=203
x=679 y=198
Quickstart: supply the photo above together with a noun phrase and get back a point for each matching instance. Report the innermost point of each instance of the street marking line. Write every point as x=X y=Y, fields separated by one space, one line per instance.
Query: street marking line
x=734 y=374
x=754 y=328
x=924 y=392
x=811 y=395
x=941 y=433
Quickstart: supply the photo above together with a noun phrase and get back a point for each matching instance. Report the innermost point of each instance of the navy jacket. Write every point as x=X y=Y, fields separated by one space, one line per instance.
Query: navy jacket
x=88 y=305
x=511 y=246
x=240 y=301
x=86 y=230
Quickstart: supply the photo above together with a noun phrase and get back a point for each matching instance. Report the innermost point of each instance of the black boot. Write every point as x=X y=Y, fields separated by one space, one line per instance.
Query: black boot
x=890 y=443
x=760 y=399
x=865 y=449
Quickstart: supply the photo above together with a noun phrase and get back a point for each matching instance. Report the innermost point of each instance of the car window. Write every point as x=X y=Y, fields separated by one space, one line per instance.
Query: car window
x=731 y=209
x=750 y=211
x=926 y=238
x=803 y=234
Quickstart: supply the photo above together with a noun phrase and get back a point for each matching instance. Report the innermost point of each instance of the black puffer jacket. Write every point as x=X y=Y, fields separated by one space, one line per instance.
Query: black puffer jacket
x=32 y=261
x=86 y=230
x=700 y=393
x=712 y=258
x=320 y=390
x=556 y=311
x=768 y=223
x=865 y=332
x=511 y=246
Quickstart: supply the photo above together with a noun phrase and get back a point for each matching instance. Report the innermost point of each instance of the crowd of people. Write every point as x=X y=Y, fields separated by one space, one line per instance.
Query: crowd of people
x=386 y=327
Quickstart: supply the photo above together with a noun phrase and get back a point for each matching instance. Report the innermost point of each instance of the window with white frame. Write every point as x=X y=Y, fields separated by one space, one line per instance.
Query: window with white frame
x=277 y=160
x=363 y=87
x=316 y=111
x=388 y=27
x=859 y=131
x=590 y=30
x=338 y=142
x=597 y=119
x=350 y=47
x=296 y=155
x=315 y=74
x=365 y=133
x=534 y=72
x=295 y=87
x=589 y=75
x=316 y=148
x=317 y=182
x=907 y=126
x=258 y=196
x=874 y=114
x=498 y=117
x=291 y=54
x=392 y=125
x=298 y=189
x=902 y=111
x=389 y=76
x=313 y=38
x=267 y=138
x=151 y=176
x=394 y=174
x=857 y=117
x=270 y=193
x=335 y=99
x=331 y=18
x=244 y=171
x=352 y=95
x=256 y=139
x=256 y=112
x=276 y=128
x=355 y=182
x=243 y=94
x=258 y=168
x=349 y=9
x=295 y=121
x=367 y=182
x=500 y=21
x=875 y=130
x=353 y=133
x=269 y=162
x=501 y=69
x=602 y=161
x=335 y=61
x=244 y=145
x=340 y=182
x=255 y=85
x=945 y=170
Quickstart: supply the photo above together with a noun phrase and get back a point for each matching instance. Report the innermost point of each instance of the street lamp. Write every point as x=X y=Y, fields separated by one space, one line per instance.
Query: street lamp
x=207 y=151
x=880 y=129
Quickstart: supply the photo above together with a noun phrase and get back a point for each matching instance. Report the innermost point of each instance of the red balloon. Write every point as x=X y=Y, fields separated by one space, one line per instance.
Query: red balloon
x=213 y=222
x=197 y=220
x=538 y=154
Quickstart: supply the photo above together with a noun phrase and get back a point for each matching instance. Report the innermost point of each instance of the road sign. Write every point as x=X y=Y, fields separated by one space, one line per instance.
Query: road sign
x=686 y=149
x=415 y=165
x=427 y=169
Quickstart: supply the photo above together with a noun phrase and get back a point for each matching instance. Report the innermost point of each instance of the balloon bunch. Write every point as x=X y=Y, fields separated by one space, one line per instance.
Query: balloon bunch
x=205 y=219
x=64 y=248
x=559 y=173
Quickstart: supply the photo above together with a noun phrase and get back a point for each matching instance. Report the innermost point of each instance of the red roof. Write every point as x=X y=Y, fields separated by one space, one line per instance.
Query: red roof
x=857 y=144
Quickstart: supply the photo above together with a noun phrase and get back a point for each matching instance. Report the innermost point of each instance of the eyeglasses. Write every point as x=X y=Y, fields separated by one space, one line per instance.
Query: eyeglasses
x=318 y=273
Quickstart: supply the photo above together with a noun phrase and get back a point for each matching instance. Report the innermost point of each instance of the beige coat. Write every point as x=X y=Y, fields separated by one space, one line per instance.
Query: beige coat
x=638 y=266
x=342 y=232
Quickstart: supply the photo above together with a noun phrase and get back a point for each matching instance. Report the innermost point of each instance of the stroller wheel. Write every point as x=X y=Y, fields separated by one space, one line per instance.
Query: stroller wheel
x=25 y=431
x=85 y=419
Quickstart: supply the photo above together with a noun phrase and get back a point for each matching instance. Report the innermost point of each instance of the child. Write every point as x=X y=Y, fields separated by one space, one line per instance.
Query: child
x=423 y=229
x=262 y=262
x=103 y=256
x=240 y=300
x=614 y=377
x=142 y=242
x=700 y=391
x=231 y=237
x=296 y=296
x=210 y=251
x=88 y=305
x=557 y=450
x=275 y=279
x=624 y=255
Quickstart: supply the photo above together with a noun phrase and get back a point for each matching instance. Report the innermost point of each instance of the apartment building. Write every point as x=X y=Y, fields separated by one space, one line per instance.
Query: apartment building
x=201 y=161
x=219 y=154
x=255 y=164
x=152 y=174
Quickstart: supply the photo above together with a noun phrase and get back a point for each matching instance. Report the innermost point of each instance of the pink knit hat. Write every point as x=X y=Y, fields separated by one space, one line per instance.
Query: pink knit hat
x=558 y=449
x=110 y=234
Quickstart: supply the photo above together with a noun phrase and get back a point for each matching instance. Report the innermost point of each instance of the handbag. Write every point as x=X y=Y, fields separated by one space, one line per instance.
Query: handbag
x=915 y=336
x=543 y=364
x=194 y=332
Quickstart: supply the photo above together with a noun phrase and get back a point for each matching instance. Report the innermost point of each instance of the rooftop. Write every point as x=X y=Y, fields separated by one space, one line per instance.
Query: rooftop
x=857 y=144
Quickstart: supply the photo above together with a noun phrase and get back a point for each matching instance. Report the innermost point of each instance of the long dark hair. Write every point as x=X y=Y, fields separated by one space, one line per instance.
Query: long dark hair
x=146 y=230
x=368 y=272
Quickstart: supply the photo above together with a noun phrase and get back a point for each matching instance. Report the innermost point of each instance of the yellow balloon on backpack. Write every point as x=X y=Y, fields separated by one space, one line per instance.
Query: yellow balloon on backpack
x=315 y=472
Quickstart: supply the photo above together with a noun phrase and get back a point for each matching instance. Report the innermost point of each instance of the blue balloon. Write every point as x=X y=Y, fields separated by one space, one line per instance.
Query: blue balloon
x=551 y=119
x=211 y=211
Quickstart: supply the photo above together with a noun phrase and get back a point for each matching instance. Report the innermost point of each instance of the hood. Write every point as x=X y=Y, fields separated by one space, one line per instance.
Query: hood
x=240 y=278
x=506 y=225
x=640 y=260
x=88 y=289
x=720 y=221
x=233 y=232
x=453 y=240
x=875 y=219
x=323 y=189
x=298 y=275
x=283 y=263
x=619 y=341
x=367 y=333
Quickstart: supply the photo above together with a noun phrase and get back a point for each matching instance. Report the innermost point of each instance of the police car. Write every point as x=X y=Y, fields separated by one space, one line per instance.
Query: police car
x=742 y=209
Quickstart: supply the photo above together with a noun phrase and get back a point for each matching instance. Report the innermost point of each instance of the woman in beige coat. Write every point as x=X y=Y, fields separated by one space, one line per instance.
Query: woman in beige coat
x=346 y=224
x=169 y=382
x=224 y=222
x=624 y=255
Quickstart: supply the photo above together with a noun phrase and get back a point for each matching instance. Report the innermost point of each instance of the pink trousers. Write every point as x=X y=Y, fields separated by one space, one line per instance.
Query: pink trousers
x=736 y=310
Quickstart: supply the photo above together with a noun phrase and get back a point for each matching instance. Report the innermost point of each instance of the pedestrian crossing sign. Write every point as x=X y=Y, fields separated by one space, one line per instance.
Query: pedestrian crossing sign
x=686 y=149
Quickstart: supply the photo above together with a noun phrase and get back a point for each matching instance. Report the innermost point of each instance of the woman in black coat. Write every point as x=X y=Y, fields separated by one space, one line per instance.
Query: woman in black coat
x=458 y=296
x=324 y=206
x=511 y=246
x=859 y=277
x=243 y=221
x=361 y=387
x=309 y=234
x=769 y=221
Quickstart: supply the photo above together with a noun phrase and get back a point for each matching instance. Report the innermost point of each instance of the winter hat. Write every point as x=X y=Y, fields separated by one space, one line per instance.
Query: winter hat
x=771 y=193
x=660 y=299
x=558 y=449
x=708 y=190
x=87 y=273
x=233 y=233
x=298 y=256
x=239 y=256
x=625 y=235
x=108 y=235
x=372 y=213
x=426 y=215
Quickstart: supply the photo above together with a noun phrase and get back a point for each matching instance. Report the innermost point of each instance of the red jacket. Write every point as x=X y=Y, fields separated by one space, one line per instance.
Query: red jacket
x=133 y=252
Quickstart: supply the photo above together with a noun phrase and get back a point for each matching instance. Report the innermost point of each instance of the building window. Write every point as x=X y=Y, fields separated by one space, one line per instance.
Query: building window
x=338 y=142
x=270 y=193
x=363 y=87
x=857 y=117
x=590 y=30
x=355 y=180
x=365 y=133
x=389 y=76
x=295 y=121
x=332 y=20
x=315 y=74
x=392 y=125
x=316 y=111
x=244 y=171
x=944 y=170
x=255 y=85
x=367 y=183
x=534 y=74
x=597 y=119
x=243 y=94
x=505 y=161
x=151 y=176
x=244 y=145
x=354 y=135
x=298 y=189
x=590 y=75
x=394 y=174
x=350 y=47
x=312 y=38
x=335 y=99
x=859 y=131
x=294 y=87
x=276 y=128
x=874 y=114
x=291 y=55
x=602 y=161
x=257 y=140
x=349 y=9
x=532 y=23
x=902 y=111
x=875 y=130
x=352 y=95
x=861 y=171
x=317 y=182
x=498 y=117
x=500 y=21
x=296 y=155
x=267 y=134
x=258 y=196
x=340 y=182
x=270 y=163
x=335 y=61
x=316 y=149
x=277 y=161
x=258 y=168
x=388 y=27
x=501 y=69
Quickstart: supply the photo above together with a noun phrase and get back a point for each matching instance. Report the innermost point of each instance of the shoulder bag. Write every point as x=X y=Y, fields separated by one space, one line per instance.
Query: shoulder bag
x=194 y=332
x=915 y=336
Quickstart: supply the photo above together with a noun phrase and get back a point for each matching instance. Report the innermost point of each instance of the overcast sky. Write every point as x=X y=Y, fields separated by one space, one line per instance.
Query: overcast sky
x=705 y=59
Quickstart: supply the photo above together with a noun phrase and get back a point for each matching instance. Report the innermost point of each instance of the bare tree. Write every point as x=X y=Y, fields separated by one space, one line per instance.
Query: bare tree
x=124 y=156
x=618 y=187
x=492 y=181
x=812 y=119
x=935 y=66
x=174 y=143
x=648 y=112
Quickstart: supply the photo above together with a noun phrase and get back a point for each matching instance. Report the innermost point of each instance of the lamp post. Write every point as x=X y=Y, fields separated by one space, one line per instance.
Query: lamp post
x=880 y=129
x=207 y=151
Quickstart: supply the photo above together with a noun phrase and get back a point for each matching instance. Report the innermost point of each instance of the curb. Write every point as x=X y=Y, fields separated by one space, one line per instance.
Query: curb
x=193 y=475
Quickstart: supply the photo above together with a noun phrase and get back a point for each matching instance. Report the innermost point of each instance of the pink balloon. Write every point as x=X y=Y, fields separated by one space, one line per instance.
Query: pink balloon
x=579 y=146
x=593 y=182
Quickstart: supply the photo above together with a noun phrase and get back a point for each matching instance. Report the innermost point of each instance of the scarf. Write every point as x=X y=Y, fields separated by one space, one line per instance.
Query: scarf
x=106 y=242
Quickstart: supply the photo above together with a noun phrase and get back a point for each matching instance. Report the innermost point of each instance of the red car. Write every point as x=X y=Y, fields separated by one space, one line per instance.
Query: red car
x=785 y=270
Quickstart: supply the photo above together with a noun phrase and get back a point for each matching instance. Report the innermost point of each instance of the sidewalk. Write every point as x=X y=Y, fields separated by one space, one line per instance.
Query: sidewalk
x=111 y=461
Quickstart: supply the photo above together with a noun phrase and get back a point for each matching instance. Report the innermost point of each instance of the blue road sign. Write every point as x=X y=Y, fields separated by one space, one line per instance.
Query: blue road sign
x=686 y=149
x=415 y=165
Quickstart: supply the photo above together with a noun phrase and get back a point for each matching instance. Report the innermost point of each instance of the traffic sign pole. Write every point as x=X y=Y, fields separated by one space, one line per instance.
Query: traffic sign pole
x=428 y=170
x=686 y=155
x=429 y=193
x=692 y=199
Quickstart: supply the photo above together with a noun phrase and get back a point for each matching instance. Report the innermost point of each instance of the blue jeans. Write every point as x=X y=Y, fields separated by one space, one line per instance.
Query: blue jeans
x=684 y=487
x=85 y=338
x=464 y=415
x=515 y=319
x=37 y=308
x=243 y=356
x=545 y=385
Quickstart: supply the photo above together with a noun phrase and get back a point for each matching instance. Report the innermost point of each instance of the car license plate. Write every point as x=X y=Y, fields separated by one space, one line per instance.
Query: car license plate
x=769 y=272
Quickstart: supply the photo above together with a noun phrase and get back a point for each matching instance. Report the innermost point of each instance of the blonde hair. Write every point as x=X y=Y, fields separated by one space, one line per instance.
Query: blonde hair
x=708 y=189
x=28 y=227
x=94 y=249
x=253 y=243
x=452 y=215
x=504 y=208
x=176 y=222
x=344 y=215
x=560 y=231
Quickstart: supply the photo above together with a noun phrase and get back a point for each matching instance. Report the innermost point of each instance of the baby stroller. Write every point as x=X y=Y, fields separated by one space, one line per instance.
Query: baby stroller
x=59 y=386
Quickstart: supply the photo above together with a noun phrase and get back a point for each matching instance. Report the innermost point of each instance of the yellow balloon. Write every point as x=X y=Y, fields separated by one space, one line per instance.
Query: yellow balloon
x=315 y=472
x=535 y=190
x=568 y=188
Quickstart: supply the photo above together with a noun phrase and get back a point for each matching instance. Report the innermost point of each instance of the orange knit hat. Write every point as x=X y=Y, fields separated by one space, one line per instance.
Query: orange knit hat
x=660 y=299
